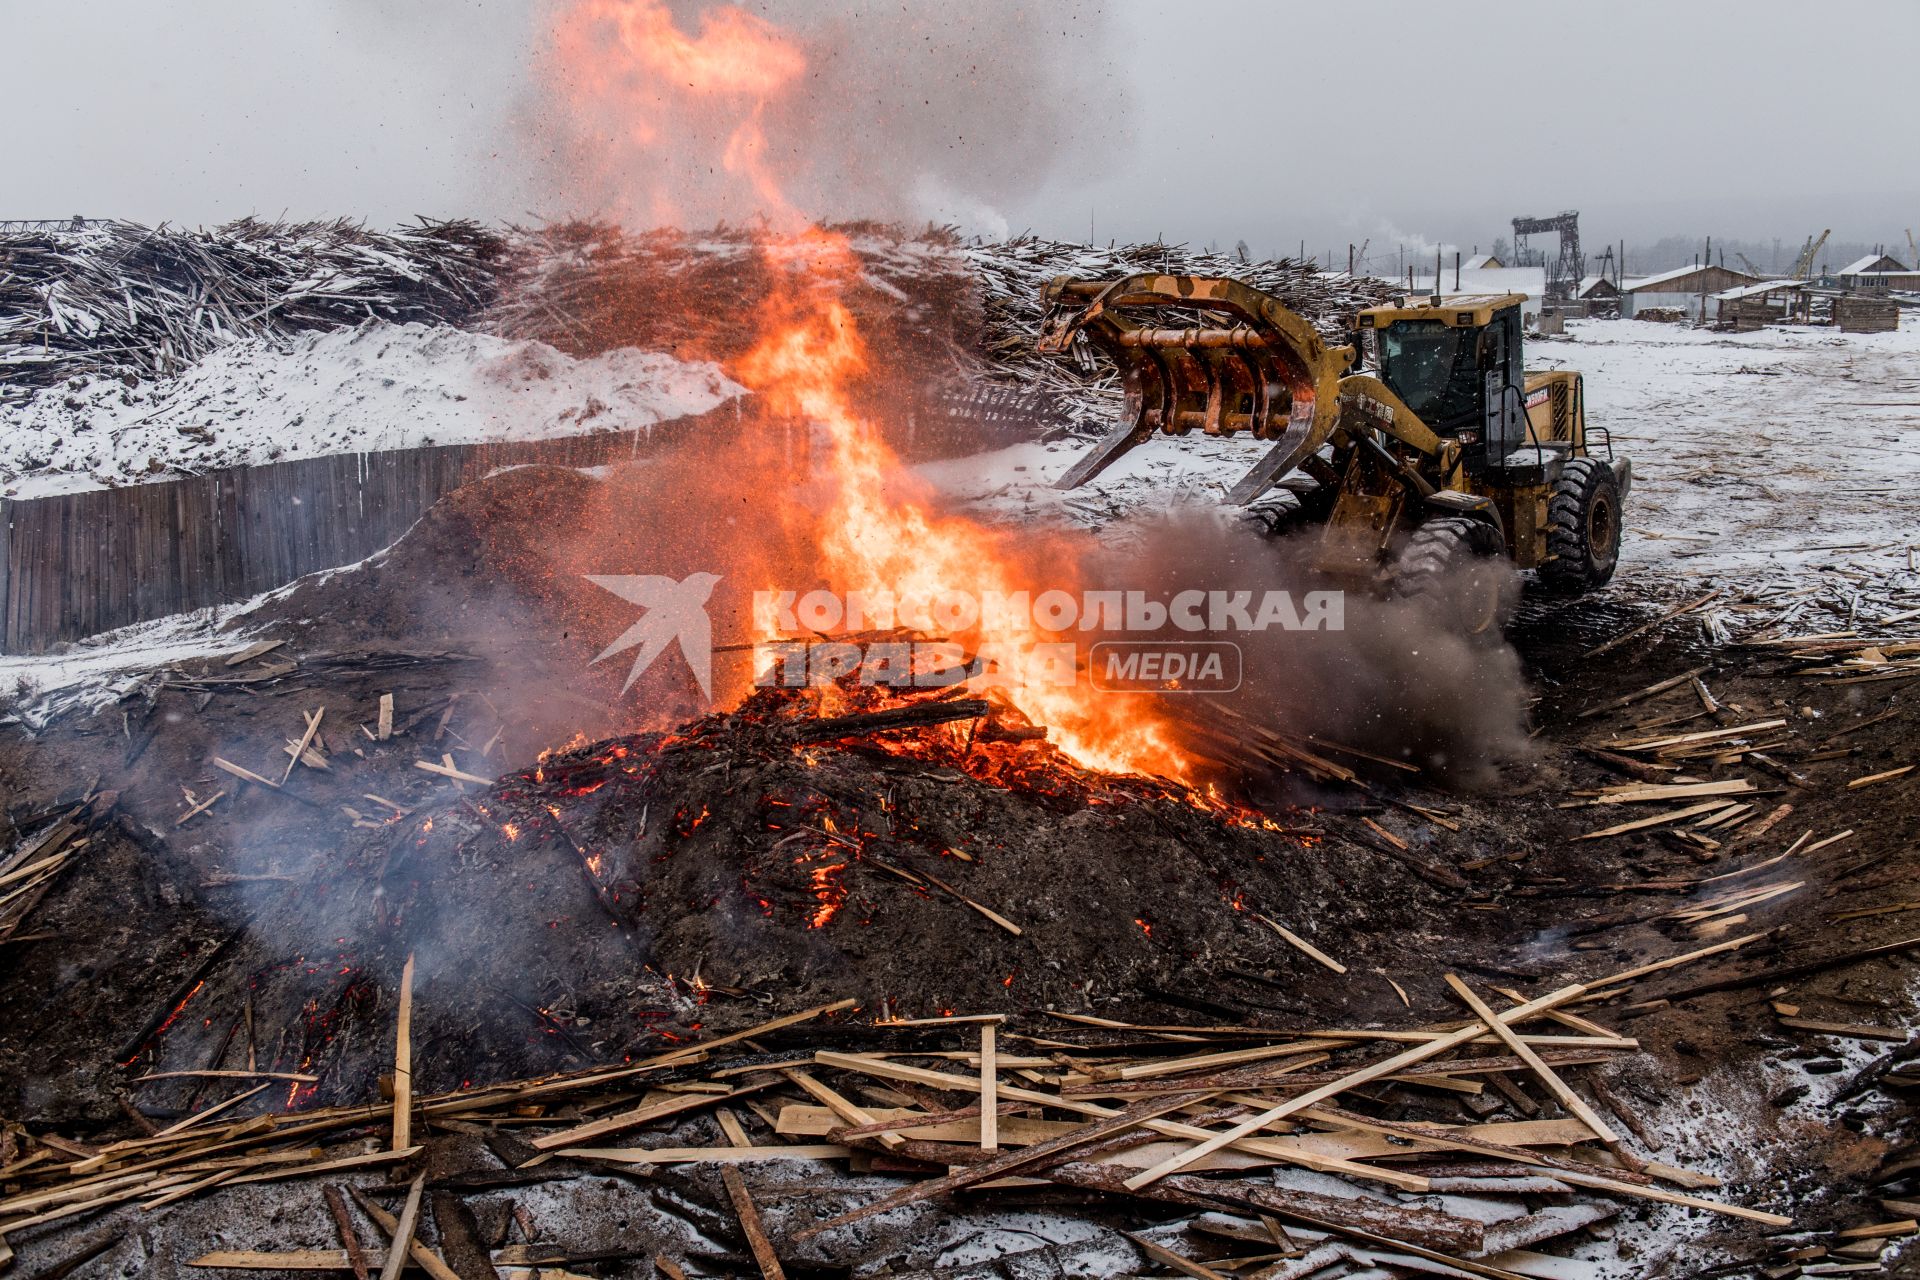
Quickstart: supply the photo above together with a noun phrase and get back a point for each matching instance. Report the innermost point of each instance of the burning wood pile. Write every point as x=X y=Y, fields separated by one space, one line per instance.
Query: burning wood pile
x=118 y=298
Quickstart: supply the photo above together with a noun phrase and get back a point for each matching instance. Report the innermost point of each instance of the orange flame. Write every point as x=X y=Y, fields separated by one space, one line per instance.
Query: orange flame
x=878 y=529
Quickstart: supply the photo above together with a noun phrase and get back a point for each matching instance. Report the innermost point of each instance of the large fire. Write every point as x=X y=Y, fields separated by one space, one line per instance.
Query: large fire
x=630 y=67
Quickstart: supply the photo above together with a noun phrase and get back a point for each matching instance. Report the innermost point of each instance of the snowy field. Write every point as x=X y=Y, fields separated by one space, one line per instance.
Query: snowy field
x=378 y=386
x=1757 y=458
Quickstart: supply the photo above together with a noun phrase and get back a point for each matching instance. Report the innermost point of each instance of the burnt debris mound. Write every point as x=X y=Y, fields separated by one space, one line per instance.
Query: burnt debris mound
x=630 y=894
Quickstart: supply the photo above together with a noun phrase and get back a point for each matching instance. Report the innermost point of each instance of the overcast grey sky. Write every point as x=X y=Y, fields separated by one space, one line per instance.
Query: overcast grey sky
x=1206 y=120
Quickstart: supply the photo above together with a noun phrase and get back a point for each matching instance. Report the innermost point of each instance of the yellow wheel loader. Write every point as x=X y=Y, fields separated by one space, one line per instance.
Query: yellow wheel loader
x=1435 y=476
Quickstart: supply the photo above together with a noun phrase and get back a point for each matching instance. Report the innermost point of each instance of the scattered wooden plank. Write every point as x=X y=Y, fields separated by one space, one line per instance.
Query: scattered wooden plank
x=300 y=1077
x=1787 y=972
x=1168 y=1258
x=1881 y=1230
x=306 y=740
x=1010 y=1162
x=1672 y=682
x=199 y=807
x=384 y=729
x=844 y=1108
x=253 y=651
x=213 y=1110
x=646 y=1113
x=1657 y=820
x=1674 y=791
x=873 y=1065
x=1690 y=739
x=449 y=771
x=1567 y=1098
x=403 y=1062
x=988 y=912
x=246 y=775
x=1412 y=1228
x=750 y=1225
x=1373 y=1071
x=989 y=1090
x=1306 y=948
x=1872 y=778
x=708 y=1155
x=429 y=1261
x=328 y=1166
x=1643 y=628
x=356 y=1254
x=284 y=1260
x=1846 y=1030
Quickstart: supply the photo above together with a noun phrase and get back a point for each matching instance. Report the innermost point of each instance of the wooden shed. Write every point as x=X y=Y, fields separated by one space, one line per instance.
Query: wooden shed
x=1755 y=306
x=1686 y=288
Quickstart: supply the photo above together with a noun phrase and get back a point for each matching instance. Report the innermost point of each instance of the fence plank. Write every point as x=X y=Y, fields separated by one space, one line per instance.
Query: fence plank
x=77 y=564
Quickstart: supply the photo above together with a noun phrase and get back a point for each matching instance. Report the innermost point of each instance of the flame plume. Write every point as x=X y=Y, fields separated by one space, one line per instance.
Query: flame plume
x=661 y=91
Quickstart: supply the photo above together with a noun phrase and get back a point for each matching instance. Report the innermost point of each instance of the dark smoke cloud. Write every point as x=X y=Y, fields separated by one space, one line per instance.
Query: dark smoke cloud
x=1391 y=682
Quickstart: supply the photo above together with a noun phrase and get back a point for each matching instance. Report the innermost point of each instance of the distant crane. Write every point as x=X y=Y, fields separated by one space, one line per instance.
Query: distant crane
x=1804 y=267
x=1913 y=254
x=1563 y=273
x=1747 y=262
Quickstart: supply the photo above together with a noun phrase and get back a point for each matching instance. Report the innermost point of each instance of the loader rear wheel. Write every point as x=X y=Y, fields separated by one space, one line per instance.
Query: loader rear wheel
x=1458 y=569
x=1583 y=528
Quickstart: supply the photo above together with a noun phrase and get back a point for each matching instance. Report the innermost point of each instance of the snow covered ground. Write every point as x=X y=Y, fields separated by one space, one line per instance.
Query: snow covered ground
x=378 y=386
x=1757 y=458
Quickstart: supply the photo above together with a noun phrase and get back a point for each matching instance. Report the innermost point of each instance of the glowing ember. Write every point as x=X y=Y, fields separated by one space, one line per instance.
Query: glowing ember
x=823 y=880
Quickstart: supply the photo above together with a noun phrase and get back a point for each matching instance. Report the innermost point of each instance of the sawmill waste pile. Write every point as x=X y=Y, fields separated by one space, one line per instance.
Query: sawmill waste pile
x=118 y=298
x=945 y=320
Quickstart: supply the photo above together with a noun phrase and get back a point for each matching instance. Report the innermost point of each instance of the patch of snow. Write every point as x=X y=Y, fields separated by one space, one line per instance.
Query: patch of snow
x=1759 y=459
x=376 y=387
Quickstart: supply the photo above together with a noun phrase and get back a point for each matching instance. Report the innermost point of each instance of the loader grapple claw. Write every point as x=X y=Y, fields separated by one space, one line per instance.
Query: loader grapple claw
x=1194 y=352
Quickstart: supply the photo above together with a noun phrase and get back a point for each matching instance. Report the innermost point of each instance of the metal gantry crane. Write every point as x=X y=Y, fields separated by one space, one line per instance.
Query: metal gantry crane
x=1565 y=272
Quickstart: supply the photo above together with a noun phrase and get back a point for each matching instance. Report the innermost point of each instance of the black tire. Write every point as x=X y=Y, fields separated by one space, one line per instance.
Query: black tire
x=1457 y=568
x=1583 y=528
x=1288 y=512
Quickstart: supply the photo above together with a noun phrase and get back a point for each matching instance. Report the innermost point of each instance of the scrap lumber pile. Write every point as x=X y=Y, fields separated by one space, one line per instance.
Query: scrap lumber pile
x=119 y=298
x=970 y=309
x=584 y=287
x=53 y=840
x=1205 y=1148
x=1013 y=272
x=123 y=299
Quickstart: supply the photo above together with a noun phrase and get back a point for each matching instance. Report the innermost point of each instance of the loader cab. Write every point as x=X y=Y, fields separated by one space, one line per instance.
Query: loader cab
x=1456 y=362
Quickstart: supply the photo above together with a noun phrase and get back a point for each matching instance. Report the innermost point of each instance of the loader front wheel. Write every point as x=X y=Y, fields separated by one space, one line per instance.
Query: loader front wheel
x=1457 y=568
x=1583 y=528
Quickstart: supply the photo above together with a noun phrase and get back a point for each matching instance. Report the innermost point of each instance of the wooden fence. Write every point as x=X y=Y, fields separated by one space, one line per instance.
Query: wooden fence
x=77 y=564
